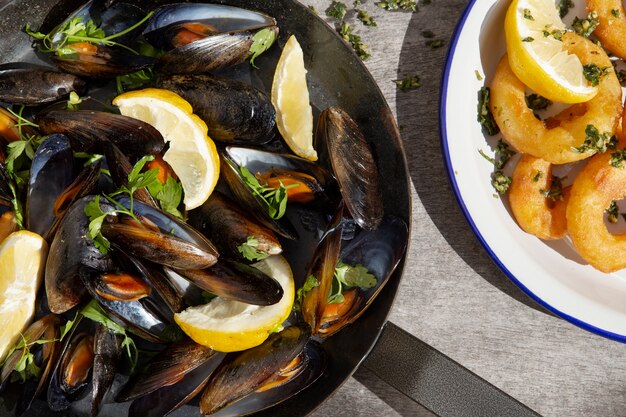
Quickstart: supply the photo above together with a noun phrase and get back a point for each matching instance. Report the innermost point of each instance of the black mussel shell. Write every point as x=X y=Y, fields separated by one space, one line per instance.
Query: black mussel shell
x=27 y=84
x=91 y=131
x=229 y=227
x=354 y=166
x=108 y=351
x=233 y=111
x=236 y=281
x=242 y=373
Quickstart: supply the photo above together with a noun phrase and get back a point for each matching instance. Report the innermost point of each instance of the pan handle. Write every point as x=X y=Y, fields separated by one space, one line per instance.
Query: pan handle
x=435 y=381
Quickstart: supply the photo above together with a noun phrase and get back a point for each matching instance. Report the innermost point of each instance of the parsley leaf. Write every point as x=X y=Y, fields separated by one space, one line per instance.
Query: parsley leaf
x=398 y=5
x=249 y=250
x=337 y=10
x=500 y=182
x=555 y=192
x=594 y=74
x=134 y=80
x=409 y=82
x=365 y=18
x=170 y=196
x=564 y=6
x=348 y=276
x=596 y=142
x=310 y=283
x=96 y=218
x=261 y=42
x=359 y=47
x=537 y=102
x=585 y=27
x=485 y=118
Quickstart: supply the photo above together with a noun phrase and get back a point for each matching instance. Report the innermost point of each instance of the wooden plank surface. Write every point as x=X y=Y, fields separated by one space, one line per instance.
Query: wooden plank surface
x=452 y=295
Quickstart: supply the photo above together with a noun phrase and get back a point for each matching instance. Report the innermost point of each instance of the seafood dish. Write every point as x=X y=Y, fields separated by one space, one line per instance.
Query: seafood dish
x=174 y=231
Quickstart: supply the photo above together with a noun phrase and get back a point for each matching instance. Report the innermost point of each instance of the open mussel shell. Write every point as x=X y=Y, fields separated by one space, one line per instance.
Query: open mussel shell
x=233 y=110
x=71 y=374
x=101 y=61
x=168 y=398
x=167 y=368
x=353 y=164
x=236 y=281
x=161 y=284
x=28 y=84
x=51 y=172
x=146 y=317
x=108 y=351
x=379 y=251
x=250 y=201
x=313 y=365
x=91 y=131
x=226 y=224
x=70 y=250
x=214 y=36
x=322 y=267
x=244 y=372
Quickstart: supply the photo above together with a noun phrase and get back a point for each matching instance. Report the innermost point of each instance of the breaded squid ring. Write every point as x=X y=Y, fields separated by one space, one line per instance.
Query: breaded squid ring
x=535 y=213
x=611 y=29
x=595 y=187
x=555 y=140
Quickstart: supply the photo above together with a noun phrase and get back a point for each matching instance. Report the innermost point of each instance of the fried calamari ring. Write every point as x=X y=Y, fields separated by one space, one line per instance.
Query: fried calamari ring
x=596 y=186
x=555 y=140
x=535 y=213
x=611 y=29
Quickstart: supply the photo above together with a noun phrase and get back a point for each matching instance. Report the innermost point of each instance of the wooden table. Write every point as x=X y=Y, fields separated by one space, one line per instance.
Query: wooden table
x=453 y=296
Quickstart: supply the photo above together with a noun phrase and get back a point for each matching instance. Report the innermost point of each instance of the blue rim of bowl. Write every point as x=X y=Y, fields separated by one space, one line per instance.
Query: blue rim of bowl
x=457 y=193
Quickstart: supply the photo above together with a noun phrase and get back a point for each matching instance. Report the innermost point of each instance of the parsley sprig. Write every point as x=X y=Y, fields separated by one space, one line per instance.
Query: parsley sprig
x=249 y=250
x=77 y=30
x=26 y=367
x=275 y=199
x=261 y=42
x=348 y=276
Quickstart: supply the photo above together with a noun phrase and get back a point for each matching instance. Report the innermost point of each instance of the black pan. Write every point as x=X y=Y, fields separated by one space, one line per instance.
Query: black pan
x=336 y=76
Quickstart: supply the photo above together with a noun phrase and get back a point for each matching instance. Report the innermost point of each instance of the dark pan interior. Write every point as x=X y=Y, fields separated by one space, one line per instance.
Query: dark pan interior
x=336 y=77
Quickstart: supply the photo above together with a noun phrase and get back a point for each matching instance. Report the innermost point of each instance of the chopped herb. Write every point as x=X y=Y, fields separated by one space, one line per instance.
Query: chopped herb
x=596 y=142
x=409 y=82
x=537 y=176
x=564 y=6
x=134 y=80
x=615 y=13
x=76 y=30
x=365 y=18
x=310 y=283
x=435 y=43
x=275 y=199
x=348 y=276
x=74 y=101
x=585 y=27
x=359 y=47
x=555 y=192
x=398 y=5
x=618 y=158
x=528 y=39
x=312 y=8
x=357 y=3
x=26 y=368
x=502 y=157
x=594 y=74
x=337 y=10
x=556 y=34
x=537 y=102
x=249 y=250
x=478 y=76
x=261 y=42
x=94 y=312
x=612 y=212
x=528 y=15
x=500 y=182
x=485 y=118
x=168 y=195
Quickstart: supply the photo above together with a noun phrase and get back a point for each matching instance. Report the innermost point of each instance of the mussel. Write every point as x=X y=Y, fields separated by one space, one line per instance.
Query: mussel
x=70 y=250
x=101 y=60
x=233 y=111
x=378 y=252
x=353 y=164
x=201 y=38
x=242 y=373
x=28 y=84
x=107 y=353
x=91 y=131
x=224 y=223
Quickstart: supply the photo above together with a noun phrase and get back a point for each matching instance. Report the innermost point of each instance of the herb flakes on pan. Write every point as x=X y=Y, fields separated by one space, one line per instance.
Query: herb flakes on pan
x=485 y=118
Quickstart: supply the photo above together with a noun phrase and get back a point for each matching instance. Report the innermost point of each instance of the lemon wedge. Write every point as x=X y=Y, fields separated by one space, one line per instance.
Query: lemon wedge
x=536 y=55
x=290 y=97
x=230 y=326
x=192 y=154
x=22 y=262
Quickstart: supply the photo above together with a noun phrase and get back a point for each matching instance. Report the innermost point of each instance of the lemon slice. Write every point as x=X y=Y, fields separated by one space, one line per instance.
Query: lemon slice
x=229 y=326
x=290 y=97
x=22 y=262
x=192 y=154
x=536 y=56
